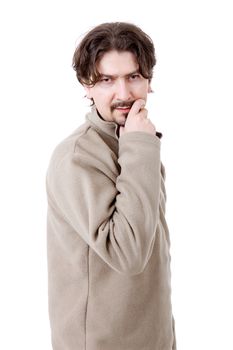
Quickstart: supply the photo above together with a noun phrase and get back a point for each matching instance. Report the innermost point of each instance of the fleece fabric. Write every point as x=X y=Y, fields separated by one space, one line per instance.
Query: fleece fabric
x=109 y=279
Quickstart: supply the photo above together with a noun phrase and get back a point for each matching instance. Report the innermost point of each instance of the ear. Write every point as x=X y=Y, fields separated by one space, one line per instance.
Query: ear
x=149 y=88
x=88 y=91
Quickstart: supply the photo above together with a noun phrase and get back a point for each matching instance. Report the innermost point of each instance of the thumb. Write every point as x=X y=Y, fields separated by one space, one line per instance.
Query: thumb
x=121 y=130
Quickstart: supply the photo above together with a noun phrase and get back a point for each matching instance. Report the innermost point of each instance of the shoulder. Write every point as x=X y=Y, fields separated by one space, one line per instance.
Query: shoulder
x=67 y=145
x=83 y=145
x=82 y=154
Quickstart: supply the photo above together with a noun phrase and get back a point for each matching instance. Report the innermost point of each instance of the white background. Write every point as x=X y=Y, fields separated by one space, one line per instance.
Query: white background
x=41 y=103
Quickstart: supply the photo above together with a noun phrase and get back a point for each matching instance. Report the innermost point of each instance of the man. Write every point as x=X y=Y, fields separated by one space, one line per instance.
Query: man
x=108 y=241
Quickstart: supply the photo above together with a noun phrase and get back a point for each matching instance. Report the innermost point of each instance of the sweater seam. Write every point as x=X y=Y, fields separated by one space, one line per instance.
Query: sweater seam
x=88 y=284
x=77 y=140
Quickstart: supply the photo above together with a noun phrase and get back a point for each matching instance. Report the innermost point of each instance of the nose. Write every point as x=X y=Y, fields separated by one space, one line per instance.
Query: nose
x=123 y=92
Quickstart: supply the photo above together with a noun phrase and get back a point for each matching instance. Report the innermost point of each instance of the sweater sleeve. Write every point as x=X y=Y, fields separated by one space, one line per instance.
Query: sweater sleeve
x=116 y=216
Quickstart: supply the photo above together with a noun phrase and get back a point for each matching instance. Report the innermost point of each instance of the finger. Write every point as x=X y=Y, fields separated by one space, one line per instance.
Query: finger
x=143 y=113
x=136 y=107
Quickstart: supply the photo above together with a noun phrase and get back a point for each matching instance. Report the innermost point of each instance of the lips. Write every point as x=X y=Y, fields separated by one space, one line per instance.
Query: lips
x=123 y=108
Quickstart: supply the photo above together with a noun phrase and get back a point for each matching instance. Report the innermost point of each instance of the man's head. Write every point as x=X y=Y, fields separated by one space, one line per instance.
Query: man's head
x=114 y=62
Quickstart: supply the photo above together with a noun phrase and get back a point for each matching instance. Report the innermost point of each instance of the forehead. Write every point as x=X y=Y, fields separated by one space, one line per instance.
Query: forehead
x=117 y=63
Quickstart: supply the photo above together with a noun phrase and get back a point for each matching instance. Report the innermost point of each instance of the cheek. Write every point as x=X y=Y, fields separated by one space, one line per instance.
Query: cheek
x=102 y=101
x=105 y=99
x=140 y=94
x=141 y=90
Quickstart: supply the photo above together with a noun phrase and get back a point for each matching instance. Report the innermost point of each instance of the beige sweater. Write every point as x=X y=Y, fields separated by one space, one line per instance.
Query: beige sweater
x=108 y=242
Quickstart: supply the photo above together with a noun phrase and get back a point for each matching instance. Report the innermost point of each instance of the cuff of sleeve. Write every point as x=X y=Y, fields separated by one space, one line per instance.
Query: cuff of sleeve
x=140 y=136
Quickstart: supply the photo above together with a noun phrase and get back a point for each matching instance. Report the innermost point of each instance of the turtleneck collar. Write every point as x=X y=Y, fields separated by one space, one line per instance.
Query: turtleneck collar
x=109 y=128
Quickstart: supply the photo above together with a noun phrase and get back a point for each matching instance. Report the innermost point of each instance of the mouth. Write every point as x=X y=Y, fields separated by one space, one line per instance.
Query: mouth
x=123 y=109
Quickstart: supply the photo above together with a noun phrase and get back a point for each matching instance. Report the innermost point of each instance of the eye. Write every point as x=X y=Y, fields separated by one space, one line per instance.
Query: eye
x=105 y=80
x=134 y=76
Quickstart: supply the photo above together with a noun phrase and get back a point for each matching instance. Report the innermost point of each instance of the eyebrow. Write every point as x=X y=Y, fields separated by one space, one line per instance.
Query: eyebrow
x=116 y=76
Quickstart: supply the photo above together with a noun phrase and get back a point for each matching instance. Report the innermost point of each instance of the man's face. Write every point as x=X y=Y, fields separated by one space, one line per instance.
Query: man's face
x=119 y=86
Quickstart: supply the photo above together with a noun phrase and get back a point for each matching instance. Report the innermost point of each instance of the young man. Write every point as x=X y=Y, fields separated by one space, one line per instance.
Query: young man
x=108 y=241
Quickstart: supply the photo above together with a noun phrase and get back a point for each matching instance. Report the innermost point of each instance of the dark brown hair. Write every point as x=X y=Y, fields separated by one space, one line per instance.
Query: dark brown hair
x=119 y=36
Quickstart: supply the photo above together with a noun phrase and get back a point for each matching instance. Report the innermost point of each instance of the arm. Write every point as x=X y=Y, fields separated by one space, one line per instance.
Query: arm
x=118 y=216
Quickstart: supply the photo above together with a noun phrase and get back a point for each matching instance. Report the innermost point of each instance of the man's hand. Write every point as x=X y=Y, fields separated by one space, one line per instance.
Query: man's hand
x=137 y=119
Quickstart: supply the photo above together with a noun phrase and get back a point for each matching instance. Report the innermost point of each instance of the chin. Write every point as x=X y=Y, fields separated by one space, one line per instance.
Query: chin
x=122 y=119
x=121 y=122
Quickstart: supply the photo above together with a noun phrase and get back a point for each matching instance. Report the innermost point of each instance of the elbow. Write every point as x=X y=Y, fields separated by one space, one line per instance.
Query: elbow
x=137 y=262
x=132 y=268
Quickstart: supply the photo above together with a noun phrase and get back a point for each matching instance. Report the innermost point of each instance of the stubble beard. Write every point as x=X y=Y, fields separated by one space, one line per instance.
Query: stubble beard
x=122 y=104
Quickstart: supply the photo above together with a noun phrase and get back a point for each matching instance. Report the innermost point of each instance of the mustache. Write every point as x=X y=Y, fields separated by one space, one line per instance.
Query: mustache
x=122 y=104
